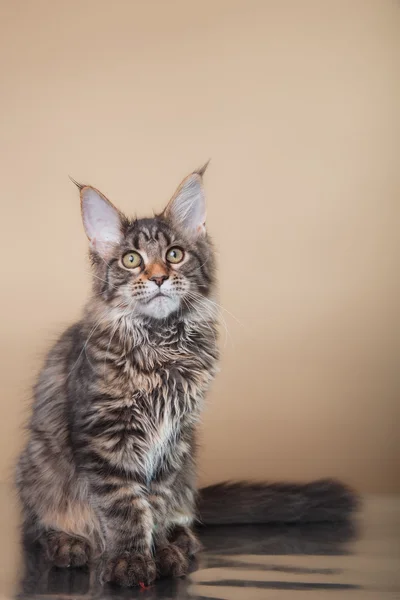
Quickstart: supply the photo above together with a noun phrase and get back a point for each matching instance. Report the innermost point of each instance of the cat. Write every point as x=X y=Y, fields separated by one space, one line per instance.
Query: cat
x=109 y=468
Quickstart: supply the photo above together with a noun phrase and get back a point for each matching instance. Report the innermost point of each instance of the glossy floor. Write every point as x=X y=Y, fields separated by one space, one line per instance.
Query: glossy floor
x=358 y=561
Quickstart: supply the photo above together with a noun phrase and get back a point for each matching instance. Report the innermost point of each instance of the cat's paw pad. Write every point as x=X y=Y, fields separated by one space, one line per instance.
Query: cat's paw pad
x=171 y=562
x=67 y=551
x=130 y=569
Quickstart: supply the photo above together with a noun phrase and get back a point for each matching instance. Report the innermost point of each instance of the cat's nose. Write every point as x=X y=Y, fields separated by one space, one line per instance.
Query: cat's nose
x=159 y=279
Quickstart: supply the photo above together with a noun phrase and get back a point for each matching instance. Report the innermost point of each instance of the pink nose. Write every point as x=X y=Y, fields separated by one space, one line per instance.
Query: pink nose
x=159 y=279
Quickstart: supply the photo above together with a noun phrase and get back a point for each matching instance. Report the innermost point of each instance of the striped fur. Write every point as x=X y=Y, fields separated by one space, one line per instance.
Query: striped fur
x=110 y=461
x=109 y=466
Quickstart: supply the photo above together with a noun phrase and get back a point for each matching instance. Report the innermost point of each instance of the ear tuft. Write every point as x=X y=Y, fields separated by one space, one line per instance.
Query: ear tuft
x=203 y=169
x=101 y=220
x=78 y=185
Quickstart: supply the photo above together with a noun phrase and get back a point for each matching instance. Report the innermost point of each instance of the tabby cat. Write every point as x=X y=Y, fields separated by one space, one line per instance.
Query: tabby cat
x=109 y=466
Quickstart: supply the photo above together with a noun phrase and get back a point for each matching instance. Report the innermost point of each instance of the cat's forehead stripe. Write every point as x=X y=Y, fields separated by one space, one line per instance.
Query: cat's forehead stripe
x=142 y=234
x=163 y=238
x=143 y=238
x=145 y=232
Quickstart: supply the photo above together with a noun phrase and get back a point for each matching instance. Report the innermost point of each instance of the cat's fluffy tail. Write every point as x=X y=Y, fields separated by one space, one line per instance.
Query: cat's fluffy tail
x=246 y=503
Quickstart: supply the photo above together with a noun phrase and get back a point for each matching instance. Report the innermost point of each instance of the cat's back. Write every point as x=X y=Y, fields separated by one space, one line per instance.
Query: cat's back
x=50 y=388
x=47 y=450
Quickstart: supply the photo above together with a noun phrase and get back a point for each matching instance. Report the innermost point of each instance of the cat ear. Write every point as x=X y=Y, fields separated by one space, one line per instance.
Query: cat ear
x=187 y=208
x=101 y=220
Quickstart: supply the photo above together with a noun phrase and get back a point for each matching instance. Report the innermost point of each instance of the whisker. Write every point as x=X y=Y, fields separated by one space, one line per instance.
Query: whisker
x=101 y=279
x=128 y=312
x=190 y=305
x=200 y=266
x=203 y=302
x=84 y=346
x=197 y=295
x=104 y=261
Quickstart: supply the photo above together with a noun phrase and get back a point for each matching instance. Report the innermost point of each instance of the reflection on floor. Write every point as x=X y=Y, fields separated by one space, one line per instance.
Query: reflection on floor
x=338 y=561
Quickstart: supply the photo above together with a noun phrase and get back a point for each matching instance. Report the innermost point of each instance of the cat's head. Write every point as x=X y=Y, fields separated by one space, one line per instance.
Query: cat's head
x=154 y=267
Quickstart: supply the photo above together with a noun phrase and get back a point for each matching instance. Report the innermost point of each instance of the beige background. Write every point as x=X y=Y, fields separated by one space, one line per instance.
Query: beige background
x=296 y=102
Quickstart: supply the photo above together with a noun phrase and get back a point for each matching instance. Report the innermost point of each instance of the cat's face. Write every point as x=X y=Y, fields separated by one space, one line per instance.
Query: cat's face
x=152 y=267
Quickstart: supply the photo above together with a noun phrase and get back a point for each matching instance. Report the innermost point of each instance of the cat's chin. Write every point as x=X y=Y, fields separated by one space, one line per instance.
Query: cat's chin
x=160 y=307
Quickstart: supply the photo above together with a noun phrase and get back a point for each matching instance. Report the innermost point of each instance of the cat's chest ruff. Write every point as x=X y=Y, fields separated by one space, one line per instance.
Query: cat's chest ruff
x=161 y=443
x=166 y=372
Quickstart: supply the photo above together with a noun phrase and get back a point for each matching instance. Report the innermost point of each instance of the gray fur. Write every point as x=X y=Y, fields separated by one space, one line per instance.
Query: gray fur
x=109 y=465
x=110 y=461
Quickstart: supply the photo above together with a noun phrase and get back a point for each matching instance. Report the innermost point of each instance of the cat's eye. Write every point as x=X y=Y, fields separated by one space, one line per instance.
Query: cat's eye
x=131 y=260
x=175 y=255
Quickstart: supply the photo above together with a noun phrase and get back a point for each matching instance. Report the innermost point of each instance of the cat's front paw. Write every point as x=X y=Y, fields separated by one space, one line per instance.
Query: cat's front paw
x=186 y=540
x=130 y=569
x=66 y=551
x=171 y=562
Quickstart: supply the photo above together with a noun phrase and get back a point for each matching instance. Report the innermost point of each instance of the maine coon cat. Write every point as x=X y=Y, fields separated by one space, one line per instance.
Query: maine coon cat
x=109 y=466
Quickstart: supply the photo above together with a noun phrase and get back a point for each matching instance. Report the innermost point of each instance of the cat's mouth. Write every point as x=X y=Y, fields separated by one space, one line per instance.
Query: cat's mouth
x=159 y=305
x=157 y=296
